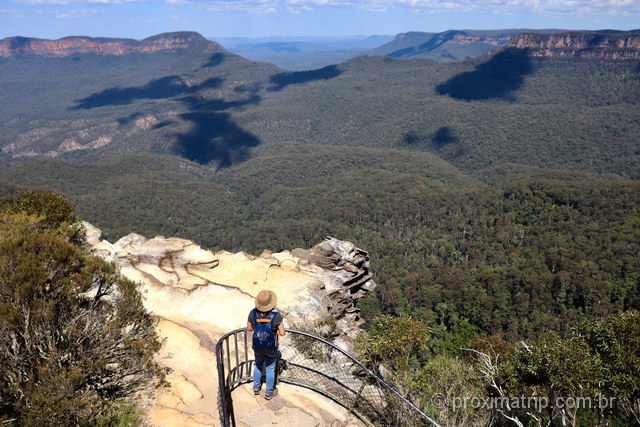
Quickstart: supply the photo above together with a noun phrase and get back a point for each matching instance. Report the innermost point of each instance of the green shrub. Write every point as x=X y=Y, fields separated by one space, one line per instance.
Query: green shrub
x=396 y=341
x=120 y=414
x=53 y=209
x=74 y=334
x=598 y=363
x=448 y=388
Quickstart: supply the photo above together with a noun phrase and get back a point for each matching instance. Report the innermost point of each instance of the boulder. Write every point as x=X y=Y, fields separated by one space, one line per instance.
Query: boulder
x=92 y=234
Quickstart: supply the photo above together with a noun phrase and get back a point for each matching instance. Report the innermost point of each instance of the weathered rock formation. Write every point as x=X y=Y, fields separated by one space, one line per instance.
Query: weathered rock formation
x=24 y=46
x=624 y=46
x=344 y=272
x=199 y=296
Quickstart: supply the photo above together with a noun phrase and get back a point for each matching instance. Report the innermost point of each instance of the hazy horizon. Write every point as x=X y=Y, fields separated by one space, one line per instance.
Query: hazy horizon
x=311 y=38
x=138 y=19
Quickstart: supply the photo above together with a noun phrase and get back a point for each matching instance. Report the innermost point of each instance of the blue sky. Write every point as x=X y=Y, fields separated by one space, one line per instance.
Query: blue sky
x=255 y=18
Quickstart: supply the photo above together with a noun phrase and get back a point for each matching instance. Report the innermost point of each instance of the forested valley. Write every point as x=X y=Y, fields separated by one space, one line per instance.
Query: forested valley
x=497 y=197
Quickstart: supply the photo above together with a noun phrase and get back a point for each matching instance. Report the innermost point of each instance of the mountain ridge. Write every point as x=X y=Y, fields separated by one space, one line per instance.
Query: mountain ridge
x=448 y=45
x=213 y=108
x=454 y=45
x=73 y=45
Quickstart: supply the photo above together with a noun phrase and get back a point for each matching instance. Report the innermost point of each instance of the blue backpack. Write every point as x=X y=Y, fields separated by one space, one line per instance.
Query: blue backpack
x=264 y=339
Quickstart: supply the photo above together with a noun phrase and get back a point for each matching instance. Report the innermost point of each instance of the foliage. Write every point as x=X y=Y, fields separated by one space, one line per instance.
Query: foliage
x=8 y=190
x=616 y=343
x=74 y=333
x=520 y=260
x=398 y=348
x=447 y=387
x=55 y=209
x=120 y=414
x=588 y=378
x=394 y=341
x=554 y=369
x=451 y=336
x=590 y=375
x=562 y=114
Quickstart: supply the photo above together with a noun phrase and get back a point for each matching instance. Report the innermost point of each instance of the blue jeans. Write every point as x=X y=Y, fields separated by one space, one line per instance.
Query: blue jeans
x=269 y=364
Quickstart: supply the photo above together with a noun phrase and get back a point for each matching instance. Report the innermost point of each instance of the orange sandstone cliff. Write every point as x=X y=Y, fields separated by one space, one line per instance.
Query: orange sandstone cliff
x=622 y=46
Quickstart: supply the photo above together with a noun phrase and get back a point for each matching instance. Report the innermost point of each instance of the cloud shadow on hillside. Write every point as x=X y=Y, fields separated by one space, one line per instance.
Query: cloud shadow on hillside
x=281 y=80
x=214 y=138
x=128 y=119
x=400 y=53
x=444 y=136
x=211 y=135
x=164 y=87
x=412 y=138
x=198 y=103
x=496 y=78
x=215 y=60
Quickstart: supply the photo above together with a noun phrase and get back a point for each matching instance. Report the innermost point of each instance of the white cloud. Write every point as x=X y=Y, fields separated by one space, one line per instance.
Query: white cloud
x=78 y=2
x=298 y=9
x=251 y=6
x=78 y=13
x=14 y=12
x=545 y=7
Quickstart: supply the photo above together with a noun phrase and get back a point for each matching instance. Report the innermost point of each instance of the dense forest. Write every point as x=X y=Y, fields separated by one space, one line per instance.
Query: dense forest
x=518 y=259
x=503 y=107
x=472 y=273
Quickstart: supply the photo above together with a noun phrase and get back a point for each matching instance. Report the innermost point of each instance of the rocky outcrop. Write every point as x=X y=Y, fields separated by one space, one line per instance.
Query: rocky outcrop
x=198 y=296
x=624 y=46
x=313 y=285
x=24 y=46
x=344 y=272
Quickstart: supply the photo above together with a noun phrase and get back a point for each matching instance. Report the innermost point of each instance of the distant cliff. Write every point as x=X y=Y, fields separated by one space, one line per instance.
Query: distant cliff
x=621 y=46
x=446 y=46
x=24 y=46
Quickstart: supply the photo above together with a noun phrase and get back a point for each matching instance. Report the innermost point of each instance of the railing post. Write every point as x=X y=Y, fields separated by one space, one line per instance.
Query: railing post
x=356 y=398
x=223 y=398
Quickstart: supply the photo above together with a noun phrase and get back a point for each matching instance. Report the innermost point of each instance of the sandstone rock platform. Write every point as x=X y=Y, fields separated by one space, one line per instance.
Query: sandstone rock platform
x=198 y=296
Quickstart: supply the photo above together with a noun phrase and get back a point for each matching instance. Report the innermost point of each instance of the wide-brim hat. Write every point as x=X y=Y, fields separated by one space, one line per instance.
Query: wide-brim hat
x=266 y=300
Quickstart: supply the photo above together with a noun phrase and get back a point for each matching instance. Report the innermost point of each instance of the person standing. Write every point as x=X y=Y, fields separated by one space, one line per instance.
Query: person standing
x=267 y=325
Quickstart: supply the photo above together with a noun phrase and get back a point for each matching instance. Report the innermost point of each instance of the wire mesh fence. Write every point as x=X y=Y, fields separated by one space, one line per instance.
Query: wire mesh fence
x=309 y=361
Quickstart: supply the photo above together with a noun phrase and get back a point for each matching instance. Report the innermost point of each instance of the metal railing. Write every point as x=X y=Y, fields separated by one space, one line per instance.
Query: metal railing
x=319 y=365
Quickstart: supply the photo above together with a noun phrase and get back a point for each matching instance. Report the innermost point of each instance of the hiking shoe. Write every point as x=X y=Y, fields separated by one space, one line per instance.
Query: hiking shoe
x=268 y=396
x=256 y=391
